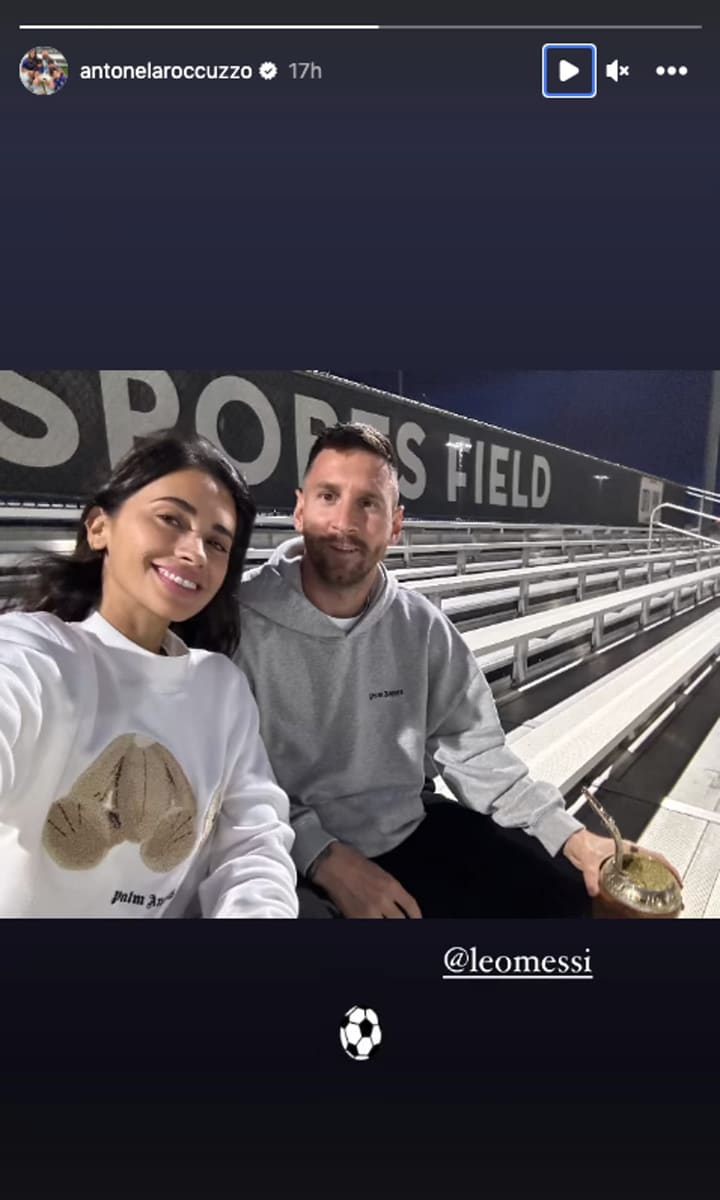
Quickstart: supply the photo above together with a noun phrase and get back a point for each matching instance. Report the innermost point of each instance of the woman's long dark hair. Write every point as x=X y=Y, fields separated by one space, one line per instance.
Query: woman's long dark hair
x=71 y=586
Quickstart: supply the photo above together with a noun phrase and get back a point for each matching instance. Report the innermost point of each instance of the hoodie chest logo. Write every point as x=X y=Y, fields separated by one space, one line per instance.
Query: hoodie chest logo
x=387 y=694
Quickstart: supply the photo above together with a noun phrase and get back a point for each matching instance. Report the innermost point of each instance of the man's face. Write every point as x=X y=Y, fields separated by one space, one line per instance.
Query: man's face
x=348 y=515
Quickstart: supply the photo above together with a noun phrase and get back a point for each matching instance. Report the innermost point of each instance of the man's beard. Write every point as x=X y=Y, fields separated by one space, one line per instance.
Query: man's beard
x=333 y=568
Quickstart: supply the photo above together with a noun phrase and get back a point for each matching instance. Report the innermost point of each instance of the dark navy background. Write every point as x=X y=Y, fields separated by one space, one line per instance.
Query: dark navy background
x=422 y=205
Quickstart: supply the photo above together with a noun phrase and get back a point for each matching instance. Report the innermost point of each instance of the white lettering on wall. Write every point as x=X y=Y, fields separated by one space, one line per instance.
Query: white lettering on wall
x=457 y=447
x=519 y=500
x=62 y=436
x=307 y=410
x=478 y=472
x=540 y=467
x=479 y=467
x=411 y=489
x=122 y=422
x=382 y=424
x=229 y=389
x=498 y=483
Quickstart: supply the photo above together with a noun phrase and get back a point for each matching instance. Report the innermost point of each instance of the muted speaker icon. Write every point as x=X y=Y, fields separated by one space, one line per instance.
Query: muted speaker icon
x=614 y=70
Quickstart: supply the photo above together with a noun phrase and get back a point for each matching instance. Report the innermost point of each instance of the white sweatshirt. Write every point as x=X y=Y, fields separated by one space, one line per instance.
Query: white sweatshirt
x=126 y=774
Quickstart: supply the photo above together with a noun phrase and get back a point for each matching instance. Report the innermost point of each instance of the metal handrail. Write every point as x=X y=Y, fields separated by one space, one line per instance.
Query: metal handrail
x=686 y=532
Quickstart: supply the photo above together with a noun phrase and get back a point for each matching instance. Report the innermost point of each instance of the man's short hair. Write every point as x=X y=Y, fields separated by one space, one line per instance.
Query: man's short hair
x=354 y=436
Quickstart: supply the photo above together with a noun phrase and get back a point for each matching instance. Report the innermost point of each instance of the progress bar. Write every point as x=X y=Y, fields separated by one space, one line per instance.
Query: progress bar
x=169 y=28
x=350 y=28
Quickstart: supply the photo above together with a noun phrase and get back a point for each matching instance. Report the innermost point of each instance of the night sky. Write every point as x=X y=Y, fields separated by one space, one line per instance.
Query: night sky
x=655 y=421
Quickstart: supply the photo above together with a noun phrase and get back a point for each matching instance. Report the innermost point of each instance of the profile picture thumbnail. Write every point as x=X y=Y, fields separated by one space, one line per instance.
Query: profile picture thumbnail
x=43 y=70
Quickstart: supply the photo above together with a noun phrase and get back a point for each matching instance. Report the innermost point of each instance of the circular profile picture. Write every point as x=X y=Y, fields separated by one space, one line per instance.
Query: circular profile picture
x=43 y=70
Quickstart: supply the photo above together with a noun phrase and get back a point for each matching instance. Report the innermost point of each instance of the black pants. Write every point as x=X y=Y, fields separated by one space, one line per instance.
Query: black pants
x=458 y=863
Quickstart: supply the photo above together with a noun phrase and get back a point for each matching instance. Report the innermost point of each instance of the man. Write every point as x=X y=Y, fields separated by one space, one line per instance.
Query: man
x=365 y=688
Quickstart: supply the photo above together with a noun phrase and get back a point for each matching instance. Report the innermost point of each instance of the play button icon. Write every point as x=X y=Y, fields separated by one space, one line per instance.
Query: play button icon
x=569 y=71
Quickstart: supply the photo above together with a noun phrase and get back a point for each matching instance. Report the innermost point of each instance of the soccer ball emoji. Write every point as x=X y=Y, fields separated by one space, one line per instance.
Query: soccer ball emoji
x=360 y=1033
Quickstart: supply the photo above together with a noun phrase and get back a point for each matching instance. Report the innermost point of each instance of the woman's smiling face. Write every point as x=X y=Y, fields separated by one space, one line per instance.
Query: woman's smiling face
x=167 y=550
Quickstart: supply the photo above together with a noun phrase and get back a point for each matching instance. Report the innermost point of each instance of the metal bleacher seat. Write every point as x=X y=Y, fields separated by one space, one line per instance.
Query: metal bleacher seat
x=556 y=576
x=525 y=633
x=465 y=553
x=567 y=742
x=596 y=727
x=570 y=742
x=562 y=745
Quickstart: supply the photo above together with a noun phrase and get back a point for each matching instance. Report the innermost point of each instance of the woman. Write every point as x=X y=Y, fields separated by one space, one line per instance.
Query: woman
x=133 y=781
x=30 y=65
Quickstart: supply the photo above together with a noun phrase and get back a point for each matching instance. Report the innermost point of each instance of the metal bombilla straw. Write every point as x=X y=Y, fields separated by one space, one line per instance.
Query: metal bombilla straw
x=608 y=821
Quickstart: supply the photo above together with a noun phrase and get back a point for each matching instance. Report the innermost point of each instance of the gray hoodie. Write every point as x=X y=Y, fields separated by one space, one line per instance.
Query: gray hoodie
x=354 y=720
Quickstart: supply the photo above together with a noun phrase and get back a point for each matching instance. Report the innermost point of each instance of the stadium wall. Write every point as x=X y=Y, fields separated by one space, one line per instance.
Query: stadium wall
x=60 y=431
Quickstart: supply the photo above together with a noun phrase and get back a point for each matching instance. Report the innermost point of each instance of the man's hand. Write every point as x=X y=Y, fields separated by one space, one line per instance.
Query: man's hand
x=359 y=887
x=588 y=852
